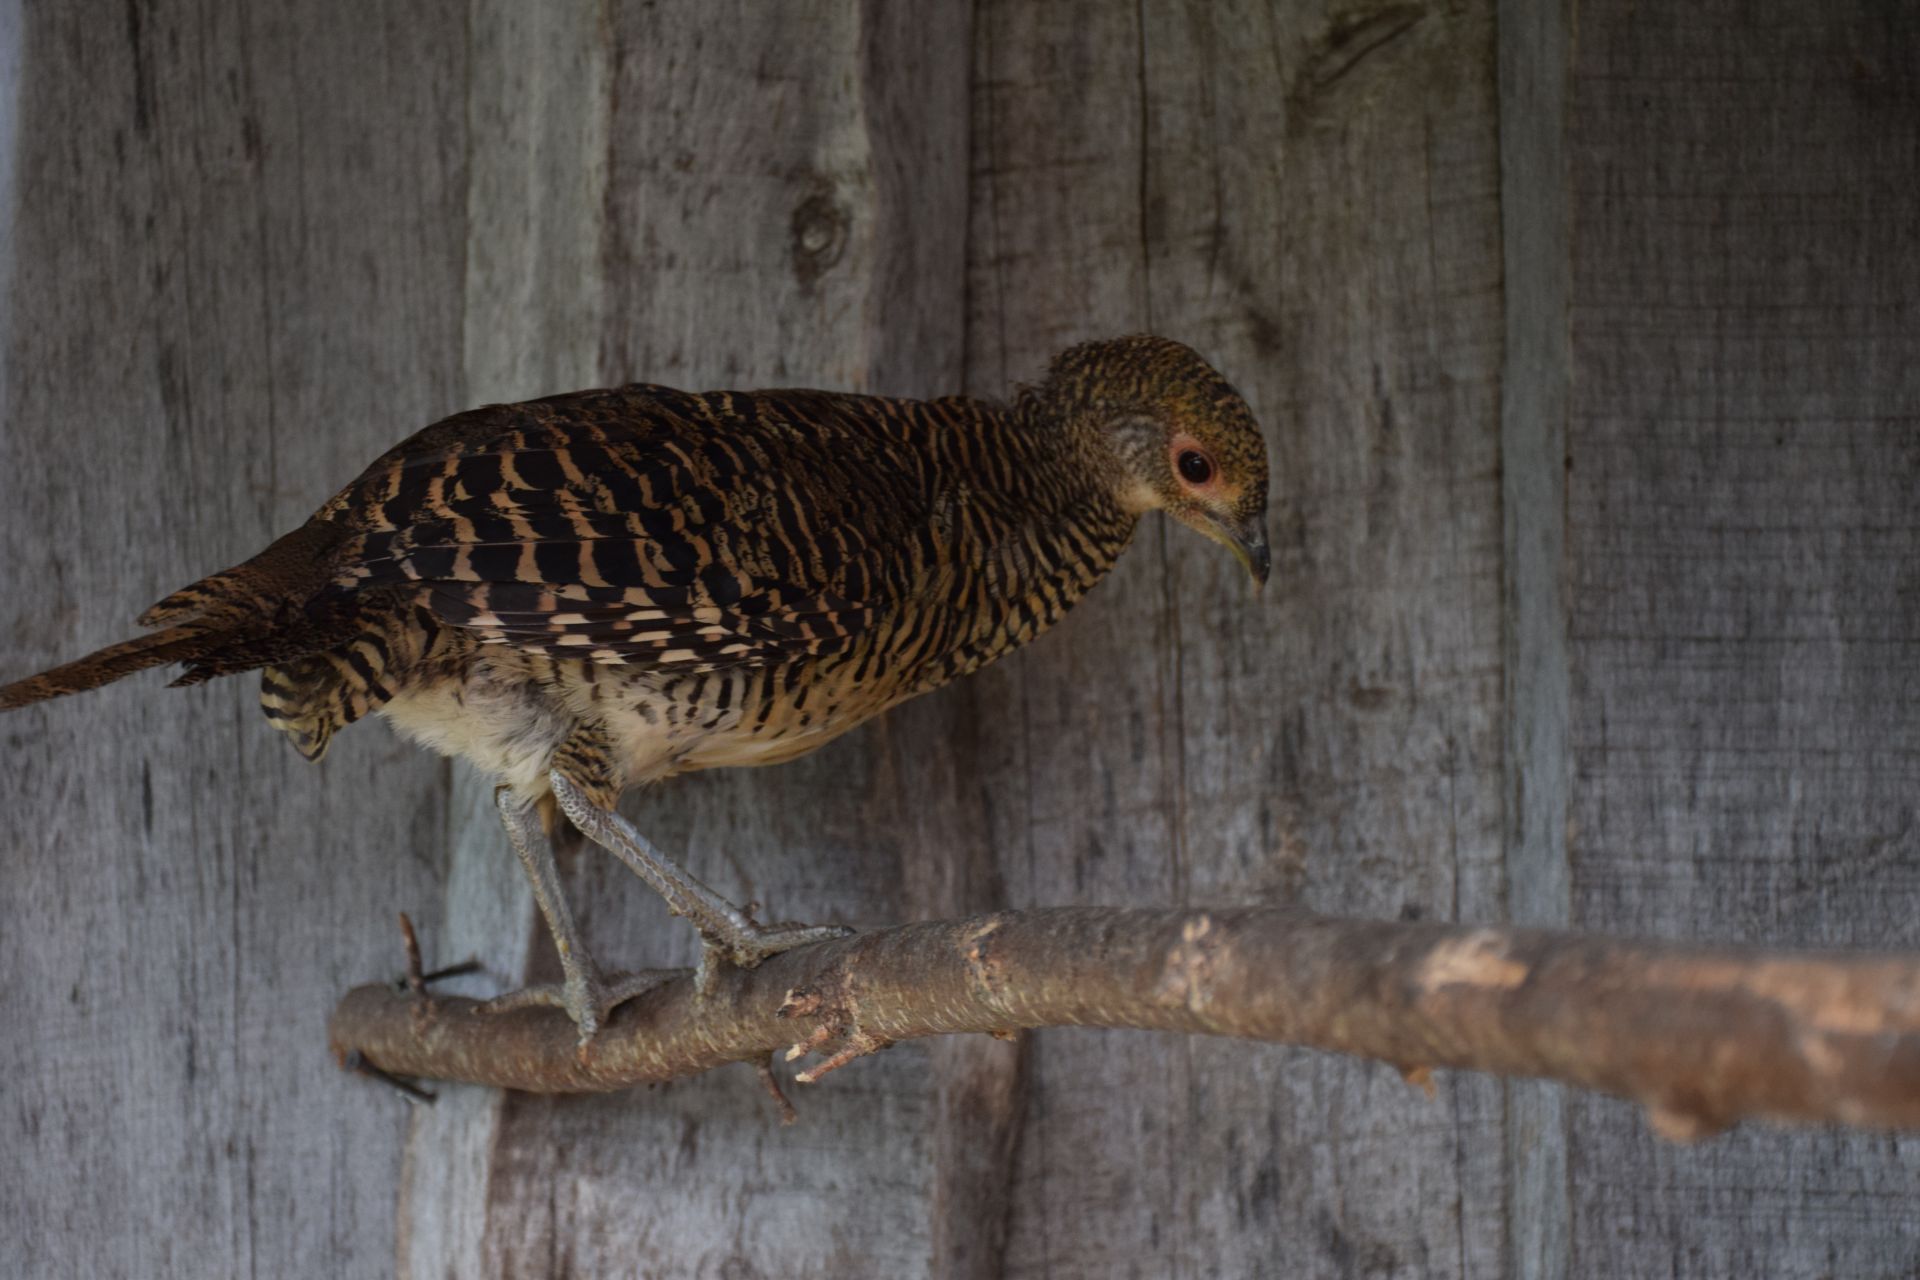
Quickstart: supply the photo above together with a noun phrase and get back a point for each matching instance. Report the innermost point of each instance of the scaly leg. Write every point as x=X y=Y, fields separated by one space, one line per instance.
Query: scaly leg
x=585 y=994
x=730 y=935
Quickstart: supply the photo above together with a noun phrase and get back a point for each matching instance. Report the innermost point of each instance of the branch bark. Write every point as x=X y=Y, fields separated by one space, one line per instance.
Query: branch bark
x=1702 y=1037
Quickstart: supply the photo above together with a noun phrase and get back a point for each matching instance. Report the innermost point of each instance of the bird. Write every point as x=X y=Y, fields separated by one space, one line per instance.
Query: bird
x=597 y=591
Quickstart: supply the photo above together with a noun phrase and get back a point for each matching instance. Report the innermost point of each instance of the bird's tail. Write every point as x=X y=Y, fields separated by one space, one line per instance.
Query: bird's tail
x=175 y=644
x=249 y=616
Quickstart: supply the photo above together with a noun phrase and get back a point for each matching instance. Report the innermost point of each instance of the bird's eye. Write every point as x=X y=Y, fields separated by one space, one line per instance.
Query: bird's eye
x=1195 y=468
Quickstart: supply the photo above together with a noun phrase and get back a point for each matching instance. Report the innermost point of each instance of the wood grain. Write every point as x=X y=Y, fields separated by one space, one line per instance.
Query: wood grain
x=1074 y=729
x=1310 y=197
x=783 y=203
x=1535 y=52
x=245 y=247
x=532 y=313
x=230 y=287
x=1744 y=451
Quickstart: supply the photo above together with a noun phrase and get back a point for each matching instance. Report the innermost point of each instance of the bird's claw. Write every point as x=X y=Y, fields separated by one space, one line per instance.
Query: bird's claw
x=746 y=945
x=587 y=999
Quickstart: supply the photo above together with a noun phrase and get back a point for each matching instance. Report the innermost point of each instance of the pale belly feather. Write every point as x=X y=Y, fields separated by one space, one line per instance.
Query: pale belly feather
x=509 y=725
x=501 y=725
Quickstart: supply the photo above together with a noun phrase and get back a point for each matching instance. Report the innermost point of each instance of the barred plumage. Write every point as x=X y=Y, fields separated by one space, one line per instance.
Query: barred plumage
x=593 y=590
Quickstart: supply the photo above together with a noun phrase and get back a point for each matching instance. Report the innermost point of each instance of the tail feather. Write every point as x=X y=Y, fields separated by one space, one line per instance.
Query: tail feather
x=213 y=599
x=288 y=572
x=175 y=644
x=270 y=609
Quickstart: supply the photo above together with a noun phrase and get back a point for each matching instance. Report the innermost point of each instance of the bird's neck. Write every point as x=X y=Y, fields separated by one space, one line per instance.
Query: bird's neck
x=1033 y=526
x=1063 y=478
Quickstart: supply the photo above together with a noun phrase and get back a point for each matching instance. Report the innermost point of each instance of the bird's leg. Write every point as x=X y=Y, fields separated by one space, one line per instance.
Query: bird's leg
x=730 y=935
x=586 y=996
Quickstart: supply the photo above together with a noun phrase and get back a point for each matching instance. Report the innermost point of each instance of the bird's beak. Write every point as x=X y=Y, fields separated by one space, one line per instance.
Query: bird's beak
x=1248 y=540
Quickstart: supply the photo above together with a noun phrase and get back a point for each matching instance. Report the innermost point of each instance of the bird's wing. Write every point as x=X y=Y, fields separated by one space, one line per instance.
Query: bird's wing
x=650 y=526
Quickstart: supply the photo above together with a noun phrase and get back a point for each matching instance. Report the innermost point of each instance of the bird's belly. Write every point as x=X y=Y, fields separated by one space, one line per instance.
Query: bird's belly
x=650 y=749
x=740 y=747
x=733 y=719
x=507 y=713
x=502 y=725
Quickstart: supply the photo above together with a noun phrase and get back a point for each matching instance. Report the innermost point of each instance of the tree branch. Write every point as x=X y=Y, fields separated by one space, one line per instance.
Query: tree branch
x=1701 y=1037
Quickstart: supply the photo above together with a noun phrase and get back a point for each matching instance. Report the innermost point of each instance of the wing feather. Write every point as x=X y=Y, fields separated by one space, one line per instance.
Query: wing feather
x=647 y=526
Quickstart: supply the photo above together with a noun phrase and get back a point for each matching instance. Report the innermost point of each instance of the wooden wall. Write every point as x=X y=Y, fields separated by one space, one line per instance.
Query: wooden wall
x=1743 y=553
x=234 y=274
x=1586 y=352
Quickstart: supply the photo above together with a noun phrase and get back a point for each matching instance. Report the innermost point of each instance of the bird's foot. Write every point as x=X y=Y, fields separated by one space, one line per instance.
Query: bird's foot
x=735 y=940
x=729 y=934
x=587 y=998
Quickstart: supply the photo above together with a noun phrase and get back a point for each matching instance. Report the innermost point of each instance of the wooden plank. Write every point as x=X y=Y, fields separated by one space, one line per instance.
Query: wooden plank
x=1534 y=57
x=1313 y=201
x=1743 y=539
x=537 y=105
x=1082 y=787
x=232 y=283
x=785 y=203
x=268 y=226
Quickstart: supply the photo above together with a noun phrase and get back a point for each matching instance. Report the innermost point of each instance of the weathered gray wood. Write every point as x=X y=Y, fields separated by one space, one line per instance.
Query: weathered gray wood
x=1311 y=199
x=244 y=248
x=537 y=105
x=1534 y=224
x=784 y=203
x=231 y=285
x=444 y=1182
x=1074 y=730
x=1744 y=445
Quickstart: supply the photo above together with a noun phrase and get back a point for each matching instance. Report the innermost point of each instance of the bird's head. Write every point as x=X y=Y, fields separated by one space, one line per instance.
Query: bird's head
x=1169 y=433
